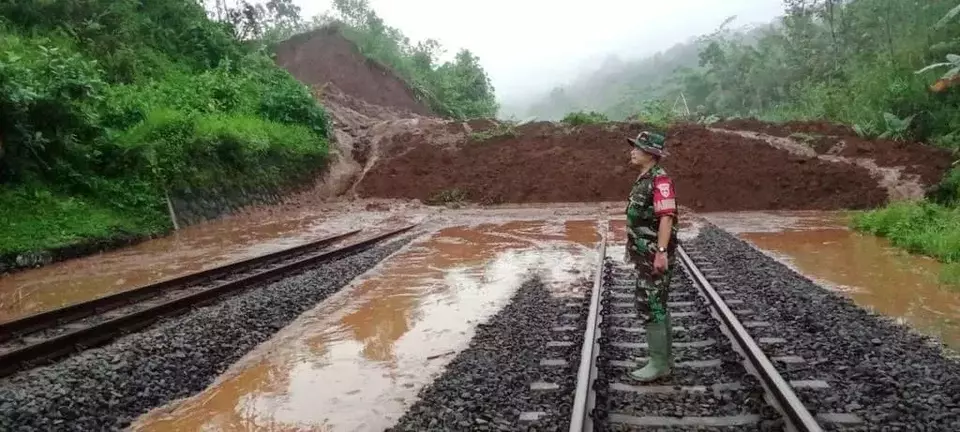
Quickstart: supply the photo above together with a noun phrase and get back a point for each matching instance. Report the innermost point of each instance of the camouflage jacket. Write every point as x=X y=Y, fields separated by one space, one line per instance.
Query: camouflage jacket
x=651 y=197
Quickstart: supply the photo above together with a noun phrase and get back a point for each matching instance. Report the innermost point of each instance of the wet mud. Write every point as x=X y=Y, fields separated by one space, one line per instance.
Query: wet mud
x=189 y=250
x=876 y=275
x=324 y=56
x=590 y=164
x=358 y=360
x=926 y=161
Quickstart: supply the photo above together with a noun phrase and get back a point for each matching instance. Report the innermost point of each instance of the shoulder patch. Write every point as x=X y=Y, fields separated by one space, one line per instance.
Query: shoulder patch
x=664 y=196
x=664 y=186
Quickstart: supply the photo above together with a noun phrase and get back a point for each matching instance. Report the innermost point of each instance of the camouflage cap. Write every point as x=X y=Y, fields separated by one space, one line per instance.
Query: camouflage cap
x=650 y=142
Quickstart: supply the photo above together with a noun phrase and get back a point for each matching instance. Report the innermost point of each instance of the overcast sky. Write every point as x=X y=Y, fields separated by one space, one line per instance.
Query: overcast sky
x=529 y=46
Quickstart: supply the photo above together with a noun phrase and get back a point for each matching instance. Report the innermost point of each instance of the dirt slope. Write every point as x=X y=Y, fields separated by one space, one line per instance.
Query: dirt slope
x=550 y=163
x=324 y=56
x=388 y=145
x=926 y=161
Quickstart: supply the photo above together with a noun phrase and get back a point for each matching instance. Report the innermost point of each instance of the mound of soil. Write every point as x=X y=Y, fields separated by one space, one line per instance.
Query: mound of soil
x=324 y=56
x=787 y=128
x=544 y=162
x=927 y=162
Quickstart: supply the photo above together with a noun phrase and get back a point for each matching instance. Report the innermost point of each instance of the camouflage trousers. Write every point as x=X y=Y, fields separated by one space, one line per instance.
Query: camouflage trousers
x=651 y=292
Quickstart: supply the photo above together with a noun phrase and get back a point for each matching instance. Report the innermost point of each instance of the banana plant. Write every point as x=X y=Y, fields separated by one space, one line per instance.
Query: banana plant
x=953 y=61
x=896 y=127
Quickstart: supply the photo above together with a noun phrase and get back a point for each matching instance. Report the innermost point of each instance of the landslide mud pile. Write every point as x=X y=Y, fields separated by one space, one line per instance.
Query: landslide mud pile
x=324 y=57
x=544 y=162
x=926 y=162
x=388 y=145
x=367 y=103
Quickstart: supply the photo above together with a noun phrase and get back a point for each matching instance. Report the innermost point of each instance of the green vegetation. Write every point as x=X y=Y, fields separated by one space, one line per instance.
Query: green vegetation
x=108 y=107
x=504 y=128
x=580 y=118
x=452 y=198
x=866 y=63
x=924 y=228
x=852 y=62
x=459 y=89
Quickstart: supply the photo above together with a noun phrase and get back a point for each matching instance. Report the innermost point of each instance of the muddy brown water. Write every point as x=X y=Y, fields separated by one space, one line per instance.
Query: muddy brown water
x=869 y=270
x=192 y=249
x=357 y=361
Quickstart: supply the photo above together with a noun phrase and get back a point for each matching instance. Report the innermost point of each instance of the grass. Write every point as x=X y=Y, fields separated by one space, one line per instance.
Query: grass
x=453 y=198
x=35 y=219
x=919 y=227
x=581 y=118
x=503 y=129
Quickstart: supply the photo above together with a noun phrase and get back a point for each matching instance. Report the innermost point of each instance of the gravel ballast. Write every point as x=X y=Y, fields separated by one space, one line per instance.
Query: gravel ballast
x=697 y=329
x=887 y=375
x=106 y=388
x=487 y=386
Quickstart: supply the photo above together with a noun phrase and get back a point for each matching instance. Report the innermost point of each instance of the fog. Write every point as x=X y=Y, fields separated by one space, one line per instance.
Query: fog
x=529 y=46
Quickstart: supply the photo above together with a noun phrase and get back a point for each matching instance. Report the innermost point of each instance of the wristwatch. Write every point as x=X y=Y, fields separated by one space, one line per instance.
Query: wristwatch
x=661 y=249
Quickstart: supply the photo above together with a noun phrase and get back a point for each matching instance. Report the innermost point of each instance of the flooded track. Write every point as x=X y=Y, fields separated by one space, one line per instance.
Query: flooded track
x=107 y=387
x=27 y=342
x=192 y=249
x=867 y=269
x=846 y=369
x=723 y=377
x=451 y=332
x=364 y=354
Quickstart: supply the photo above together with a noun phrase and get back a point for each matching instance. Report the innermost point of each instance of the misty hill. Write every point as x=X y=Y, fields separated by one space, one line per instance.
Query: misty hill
x=621 y=88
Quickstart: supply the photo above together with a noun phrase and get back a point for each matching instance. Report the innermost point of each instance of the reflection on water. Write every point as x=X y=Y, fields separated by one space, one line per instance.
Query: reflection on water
x=868 y=269
x=357 y=361
x=190 y=250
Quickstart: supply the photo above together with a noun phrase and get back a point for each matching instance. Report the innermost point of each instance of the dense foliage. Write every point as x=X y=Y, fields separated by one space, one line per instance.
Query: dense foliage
x=109 y=106
x=925 y=228
x=584 y=118
x=886 y=67
x=459 y=89
x=852 y=62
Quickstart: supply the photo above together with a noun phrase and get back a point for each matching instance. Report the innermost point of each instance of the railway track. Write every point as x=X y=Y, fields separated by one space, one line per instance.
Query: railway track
x=47 y=336
x=729 y=373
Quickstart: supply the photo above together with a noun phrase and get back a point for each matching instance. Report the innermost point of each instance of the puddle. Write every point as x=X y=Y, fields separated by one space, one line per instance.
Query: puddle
x=865 y=268
x=357 y=361
x=189 y=250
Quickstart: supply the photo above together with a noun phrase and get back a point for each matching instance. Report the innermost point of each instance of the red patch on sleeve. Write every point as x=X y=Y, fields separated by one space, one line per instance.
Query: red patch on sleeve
x=664 y=196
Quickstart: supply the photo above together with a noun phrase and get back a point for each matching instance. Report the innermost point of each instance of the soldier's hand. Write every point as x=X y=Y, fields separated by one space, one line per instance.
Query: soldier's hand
x=660 y=263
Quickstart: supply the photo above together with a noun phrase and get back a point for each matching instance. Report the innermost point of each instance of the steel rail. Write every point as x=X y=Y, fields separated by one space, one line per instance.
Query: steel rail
x=43 y=320
x=584 y=399
x=786 y=401
x=87 y=336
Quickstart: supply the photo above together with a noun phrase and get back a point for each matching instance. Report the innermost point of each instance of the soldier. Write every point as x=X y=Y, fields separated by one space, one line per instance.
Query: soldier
x=651 y=246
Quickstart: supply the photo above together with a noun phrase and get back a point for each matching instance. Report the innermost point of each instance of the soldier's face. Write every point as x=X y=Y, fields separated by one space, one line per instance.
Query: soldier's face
x=639 y=157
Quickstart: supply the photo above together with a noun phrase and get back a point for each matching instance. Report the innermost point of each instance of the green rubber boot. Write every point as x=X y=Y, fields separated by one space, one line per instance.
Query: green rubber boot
x=661 y=361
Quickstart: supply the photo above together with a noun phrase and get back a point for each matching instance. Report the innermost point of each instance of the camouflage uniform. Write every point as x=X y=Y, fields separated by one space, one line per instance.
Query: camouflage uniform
x=651 y=197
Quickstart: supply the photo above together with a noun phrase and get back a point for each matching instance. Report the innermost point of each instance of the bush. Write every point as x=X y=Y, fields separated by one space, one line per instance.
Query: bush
x=35 y=219
x=926 y=228
x=46 y=94
x=580 y=118
x=133 y=40
x=261 y=90
x=948 y=191
x=189 y=150
x=122 y=101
